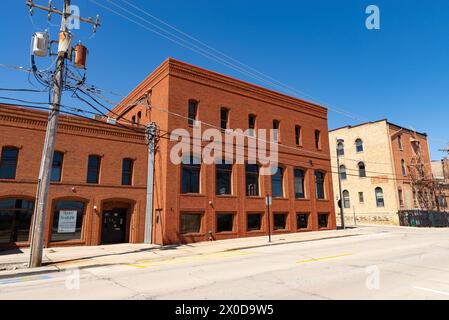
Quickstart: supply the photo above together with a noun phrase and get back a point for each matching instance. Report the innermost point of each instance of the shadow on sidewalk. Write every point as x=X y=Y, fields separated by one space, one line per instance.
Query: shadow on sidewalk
x=161 y=248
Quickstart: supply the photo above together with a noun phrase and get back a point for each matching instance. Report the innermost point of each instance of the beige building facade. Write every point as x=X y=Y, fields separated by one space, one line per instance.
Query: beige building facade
x=376 y=162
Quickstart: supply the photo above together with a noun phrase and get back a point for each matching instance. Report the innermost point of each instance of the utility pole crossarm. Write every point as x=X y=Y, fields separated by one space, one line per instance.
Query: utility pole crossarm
x=96 y=23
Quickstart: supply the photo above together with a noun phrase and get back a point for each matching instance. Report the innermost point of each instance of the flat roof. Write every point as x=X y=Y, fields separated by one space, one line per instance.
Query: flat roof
x=381 y=120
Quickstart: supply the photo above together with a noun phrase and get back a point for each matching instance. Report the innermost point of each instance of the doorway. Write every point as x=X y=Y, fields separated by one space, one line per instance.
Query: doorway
x=114 y=223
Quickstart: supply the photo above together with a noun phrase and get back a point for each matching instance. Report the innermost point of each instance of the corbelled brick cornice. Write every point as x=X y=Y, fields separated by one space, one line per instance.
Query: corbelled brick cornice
x=15 y=116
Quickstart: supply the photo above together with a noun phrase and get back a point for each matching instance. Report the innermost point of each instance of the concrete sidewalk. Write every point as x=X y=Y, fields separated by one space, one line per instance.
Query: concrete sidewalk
x=13 y=263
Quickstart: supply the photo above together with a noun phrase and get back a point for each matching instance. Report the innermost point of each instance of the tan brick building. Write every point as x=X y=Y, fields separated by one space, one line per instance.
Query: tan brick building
x=380 y=164
x=98 y=189
x=441 y=174
x=206 y=201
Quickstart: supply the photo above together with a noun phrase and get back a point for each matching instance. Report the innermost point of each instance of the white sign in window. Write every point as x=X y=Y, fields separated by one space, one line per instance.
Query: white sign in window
x=67 y=221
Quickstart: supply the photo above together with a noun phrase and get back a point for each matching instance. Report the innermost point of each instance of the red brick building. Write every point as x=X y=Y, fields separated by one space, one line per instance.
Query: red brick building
x=98 y=192
x=98 y=180
x=203 y=202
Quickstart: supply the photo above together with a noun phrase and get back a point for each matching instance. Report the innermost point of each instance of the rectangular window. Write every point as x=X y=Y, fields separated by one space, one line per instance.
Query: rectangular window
x=191 y=177
x=361 y=197
x=191 y=223
x=225 y=222
x=252 y=180
x=299 y=184
x=280 y=221
x=323 y=220
x=251 y=125
x=298 y=135
x=127 y=172
x=15 y=220
x=67 y=221
x=56 y=168
x=276 y=132
x=302 y=221
x=254 y=221
x=224 y=115
x=317 y=139
x=319 y=184
x=93 y=169
x=8 y=163
x=193 y=112
x=223 y=179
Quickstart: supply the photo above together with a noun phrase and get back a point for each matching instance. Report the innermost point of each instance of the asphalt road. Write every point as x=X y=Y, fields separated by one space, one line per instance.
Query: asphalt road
x=390 y=263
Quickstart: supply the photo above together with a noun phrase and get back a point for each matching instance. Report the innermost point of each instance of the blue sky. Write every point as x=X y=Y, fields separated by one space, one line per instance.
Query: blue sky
x=320 y=48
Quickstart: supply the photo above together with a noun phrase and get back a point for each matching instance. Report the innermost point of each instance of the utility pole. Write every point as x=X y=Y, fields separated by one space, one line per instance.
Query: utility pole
x=37 y=235
x=151 y=133
x=342 y=217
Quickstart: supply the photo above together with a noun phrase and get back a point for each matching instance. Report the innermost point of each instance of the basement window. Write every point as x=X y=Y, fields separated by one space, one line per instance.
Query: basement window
x=191 y=223
x=254 y=222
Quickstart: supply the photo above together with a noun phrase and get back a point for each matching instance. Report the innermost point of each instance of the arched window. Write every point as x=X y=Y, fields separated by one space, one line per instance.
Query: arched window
x=224 y=118
x=404 y=168
x=191 y=168
x=401 y=147
x=346 y=199
x=127 y=172
x=252 y=180
x=68 y=218
x=223 y=179
x=343 y=175
x=8 y=162
x=359 y=145
x=276 y=130
x=379 y=197
x=362 y=170
x=340 y=149
x=318 y=139
x=15 y=220
x=299 y=183
x=319 y=185
x=93 y=169
x=192 y=112
x=139 y=117
x=276 y=183
x=56 y=168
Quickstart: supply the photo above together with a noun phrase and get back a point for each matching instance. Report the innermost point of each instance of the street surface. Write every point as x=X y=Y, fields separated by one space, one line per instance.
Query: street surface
x=388 y=263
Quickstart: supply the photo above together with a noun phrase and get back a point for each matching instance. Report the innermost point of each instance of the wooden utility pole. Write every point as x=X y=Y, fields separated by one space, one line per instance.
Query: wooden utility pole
x=40 y=212
x=151 y=132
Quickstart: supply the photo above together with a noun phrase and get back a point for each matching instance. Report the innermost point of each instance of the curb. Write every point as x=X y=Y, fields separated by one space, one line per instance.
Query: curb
x=52 y=268
x=28 y=272
x=289 y=242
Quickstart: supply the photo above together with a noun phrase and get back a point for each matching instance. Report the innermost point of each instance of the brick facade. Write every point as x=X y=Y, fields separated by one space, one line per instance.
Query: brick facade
x=170 y=88
x=389 y=156
x=77 y=138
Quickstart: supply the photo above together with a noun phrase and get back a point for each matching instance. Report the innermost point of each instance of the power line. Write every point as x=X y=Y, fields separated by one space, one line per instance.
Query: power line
x=261 y=77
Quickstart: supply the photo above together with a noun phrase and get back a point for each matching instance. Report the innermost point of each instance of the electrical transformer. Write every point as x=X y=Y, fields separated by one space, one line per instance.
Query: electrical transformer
x=40 y=44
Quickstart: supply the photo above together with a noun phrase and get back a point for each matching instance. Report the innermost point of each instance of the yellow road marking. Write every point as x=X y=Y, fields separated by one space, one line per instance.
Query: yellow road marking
x=324 y=258
x=142 y=264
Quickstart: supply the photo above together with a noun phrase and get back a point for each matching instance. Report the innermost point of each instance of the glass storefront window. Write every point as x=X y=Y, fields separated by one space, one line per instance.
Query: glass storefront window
x=15 y=220
x=67 y=221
